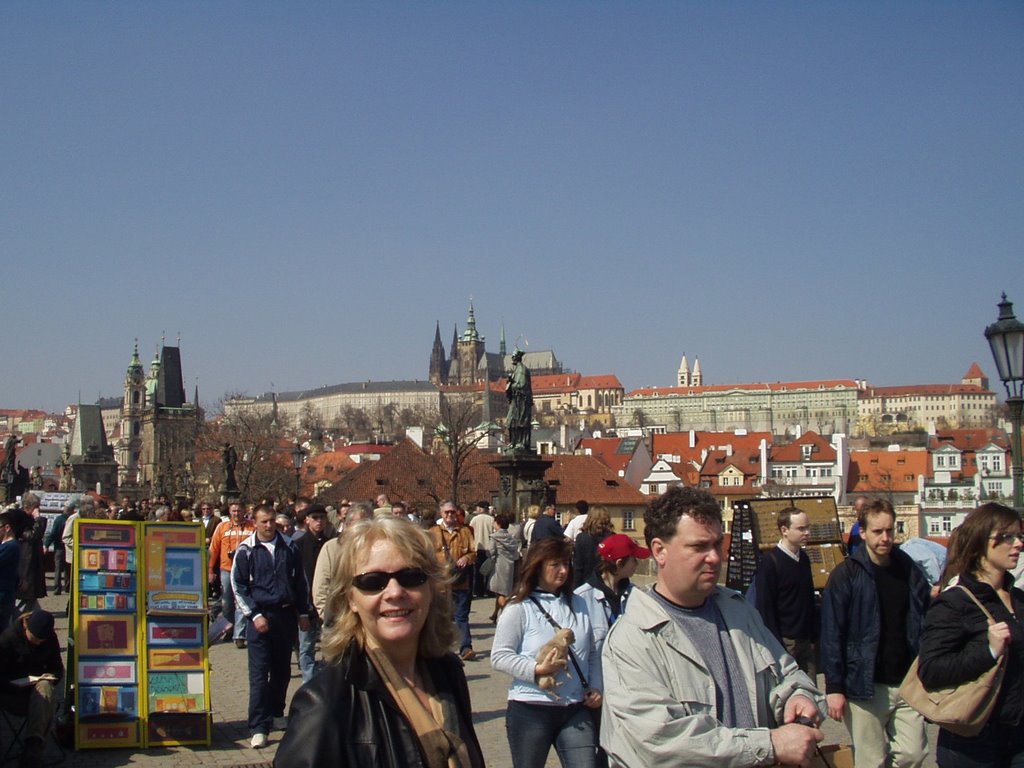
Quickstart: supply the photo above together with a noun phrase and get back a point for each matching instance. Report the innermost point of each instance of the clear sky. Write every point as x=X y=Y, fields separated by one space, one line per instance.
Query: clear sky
x=301 y=190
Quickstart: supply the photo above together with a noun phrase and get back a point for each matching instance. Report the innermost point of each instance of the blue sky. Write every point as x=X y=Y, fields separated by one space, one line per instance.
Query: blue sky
x=301 y=190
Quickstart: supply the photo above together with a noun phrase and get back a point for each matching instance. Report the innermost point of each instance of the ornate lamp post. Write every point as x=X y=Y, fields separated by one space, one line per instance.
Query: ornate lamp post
x=298 y=459
x=1006 y=338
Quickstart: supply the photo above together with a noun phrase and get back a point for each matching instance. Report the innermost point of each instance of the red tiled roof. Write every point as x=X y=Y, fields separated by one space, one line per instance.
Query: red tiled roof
x=584 y=477
x=968 y=439
x=357 y=449
x=606 y=381
x=911 y=390
x=793 y=452
x=678 y=443
x=974 y=372
x=779 y=386
x=604 y=449
x=717 y=461
x=880 y=465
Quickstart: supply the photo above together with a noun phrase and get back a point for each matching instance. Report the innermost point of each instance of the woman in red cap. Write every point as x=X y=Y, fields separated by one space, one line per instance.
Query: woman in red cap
x=607 y=588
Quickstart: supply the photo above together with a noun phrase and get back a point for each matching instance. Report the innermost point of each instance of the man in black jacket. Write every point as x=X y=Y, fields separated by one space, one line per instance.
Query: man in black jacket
x=309 y=544
x=872 y=616
x=29 y=649
x=271 y=591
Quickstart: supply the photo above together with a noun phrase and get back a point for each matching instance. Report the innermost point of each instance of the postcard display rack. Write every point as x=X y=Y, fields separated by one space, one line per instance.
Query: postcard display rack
x=139 y=621
x=754 y=530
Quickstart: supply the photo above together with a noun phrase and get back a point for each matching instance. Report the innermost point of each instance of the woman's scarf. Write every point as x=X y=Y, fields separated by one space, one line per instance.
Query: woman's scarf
x=436 y=729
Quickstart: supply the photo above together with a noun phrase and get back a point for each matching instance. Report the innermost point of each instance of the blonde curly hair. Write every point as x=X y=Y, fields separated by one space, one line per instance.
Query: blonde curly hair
x=416 y=547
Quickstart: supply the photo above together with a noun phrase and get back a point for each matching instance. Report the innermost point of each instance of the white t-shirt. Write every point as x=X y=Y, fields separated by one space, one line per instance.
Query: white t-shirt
x=572 y=529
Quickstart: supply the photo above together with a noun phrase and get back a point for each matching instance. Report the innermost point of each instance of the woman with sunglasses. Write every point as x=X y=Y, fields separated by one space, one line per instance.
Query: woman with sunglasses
x=392 y=694
x=541 y=717
x=958 y=644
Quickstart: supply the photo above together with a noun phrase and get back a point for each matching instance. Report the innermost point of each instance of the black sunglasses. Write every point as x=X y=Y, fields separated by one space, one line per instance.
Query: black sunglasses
x=376 y=581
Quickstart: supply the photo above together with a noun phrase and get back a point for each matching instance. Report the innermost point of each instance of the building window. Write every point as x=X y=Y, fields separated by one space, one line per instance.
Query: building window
x=627 y=520
x=947 y=524
x=933 y=527
x=940 y=461
x=901 y=527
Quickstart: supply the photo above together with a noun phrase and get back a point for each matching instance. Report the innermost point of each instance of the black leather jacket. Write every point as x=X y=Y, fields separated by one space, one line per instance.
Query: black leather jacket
x=345 y=717
x=954 y=647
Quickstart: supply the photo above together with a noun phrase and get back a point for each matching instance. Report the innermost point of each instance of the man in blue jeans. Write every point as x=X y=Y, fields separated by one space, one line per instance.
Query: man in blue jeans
x=454 y=545
x=271 y=591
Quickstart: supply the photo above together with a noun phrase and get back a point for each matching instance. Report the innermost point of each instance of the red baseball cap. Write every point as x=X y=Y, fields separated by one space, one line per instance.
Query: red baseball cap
x=619 y=546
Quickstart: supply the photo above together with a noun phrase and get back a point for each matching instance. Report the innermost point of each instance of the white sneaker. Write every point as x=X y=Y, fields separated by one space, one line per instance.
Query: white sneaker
x=259 y=740
x=280 y=723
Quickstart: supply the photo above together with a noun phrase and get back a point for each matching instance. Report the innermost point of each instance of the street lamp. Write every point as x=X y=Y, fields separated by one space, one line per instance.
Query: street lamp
x=298 y=459
x=1006 y=337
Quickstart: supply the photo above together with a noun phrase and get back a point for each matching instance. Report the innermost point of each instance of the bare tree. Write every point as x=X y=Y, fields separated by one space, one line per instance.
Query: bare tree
x=458 y=430
x=264 y=468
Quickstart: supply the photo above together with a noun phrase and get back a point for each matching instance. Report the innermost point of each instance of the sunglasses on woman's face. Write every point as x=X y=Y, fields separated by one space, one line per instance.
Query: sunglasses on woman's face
x=376 y=581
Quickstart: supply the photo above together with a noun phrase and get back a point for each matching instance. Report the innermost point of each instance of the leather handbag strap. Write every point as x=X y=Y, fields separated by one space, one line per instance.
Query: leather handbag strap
x=977 y=602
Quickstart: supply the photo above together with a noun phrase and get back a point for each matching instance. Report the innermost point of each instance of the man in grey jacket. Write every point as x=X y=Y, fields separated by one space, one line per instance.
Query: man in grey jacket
x=692 y=676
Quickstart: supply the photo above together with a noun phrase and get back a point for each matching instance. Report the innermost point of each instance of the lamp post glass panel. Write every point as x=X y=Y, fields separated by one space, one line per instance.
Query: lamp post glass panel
x=298 y=459
x=1006 y=338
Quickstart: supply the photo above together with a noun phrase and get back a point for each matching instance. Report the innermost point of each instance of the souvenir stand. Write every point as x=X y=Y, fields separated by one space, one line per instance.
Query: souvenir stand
x=138 y=624
x=754 y=530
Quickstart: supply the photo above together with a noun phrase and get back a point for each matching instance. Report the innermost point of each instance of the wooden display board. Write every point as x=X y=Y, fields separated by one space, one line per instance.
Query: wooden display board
x=754 y=530
x=138 y=624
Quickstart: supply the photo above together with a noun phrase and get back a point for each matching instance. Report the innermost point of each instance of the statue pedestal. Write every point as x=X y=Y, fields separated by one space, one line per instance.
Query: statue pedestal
x=521 y=483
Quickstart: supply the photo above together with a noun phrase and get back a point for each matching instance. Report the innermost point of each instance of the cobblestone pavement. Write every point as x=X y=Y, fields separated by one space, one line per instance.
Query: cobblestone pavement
x=230 y=694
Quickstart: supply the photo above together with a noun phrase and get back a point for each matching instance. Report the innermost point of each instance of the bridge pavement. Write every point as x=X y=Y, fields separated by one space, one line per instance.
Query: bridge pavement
x=230 y=692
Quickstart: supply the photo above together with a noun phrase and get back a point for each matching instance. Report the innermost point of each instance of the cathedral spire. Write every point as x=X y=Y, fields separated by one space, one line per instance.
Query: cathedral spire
x=501 y=344
x=471 y=334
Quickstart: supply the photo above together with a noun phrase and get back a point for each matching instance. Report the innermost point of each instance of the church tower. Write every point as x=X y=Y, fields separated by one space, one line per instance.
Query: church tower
x=697 y=379
x=129 y=446
x=470 y=351
x=684 y=373
x=438 y=364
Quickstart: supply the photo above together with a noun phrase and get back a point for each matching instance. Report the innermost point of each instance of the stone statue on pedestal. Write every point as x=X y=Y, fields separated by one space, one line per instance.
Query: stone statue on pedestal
x=519 y=391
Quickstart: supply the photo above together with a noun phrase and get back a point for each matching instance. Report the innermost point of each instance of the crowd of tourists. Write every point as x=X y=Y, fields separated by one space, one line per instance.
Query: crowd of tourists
x=373 y=598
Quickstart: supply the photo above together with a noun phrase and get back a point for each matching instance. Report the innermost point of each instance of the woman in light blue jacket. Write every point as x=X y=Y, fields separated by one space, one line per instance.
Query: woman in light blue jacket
x=542 y=714
x=606 y=590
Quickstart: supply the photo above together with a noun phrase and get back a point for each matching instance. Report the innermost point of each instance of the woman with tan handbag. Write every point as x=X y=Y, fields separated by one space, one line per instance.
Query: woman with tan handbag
x=960 y=642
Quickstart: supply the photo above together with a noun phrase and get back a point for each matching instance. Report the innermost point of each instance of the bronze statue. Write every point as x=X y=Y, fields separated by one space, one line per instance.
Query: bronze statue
x=519 y=392
x=10 y=457
x=230 y=457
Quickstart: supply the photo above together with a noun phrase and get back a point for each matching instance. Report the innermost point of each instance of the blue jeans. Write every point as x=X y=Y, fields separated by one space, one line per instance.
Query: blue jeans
x=461 y=600
x=307 y=651
x=997 y=746
x=533 y=728
x=270 y=667
x=227 y=601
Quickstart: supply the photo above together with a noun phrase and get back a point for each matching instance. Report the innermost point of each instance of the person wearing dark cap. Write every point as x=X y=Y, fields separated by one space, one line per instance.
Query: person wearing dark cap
x=30 y=668
x=318 y=532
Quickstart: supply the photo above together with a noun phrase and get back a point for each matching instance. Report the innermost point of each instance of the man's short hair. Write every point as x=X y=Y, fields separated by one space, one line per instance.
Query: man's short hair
x=785 y=517
x=874 y=507
x=582 y=507
x=662 y=514
x=29 y=501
